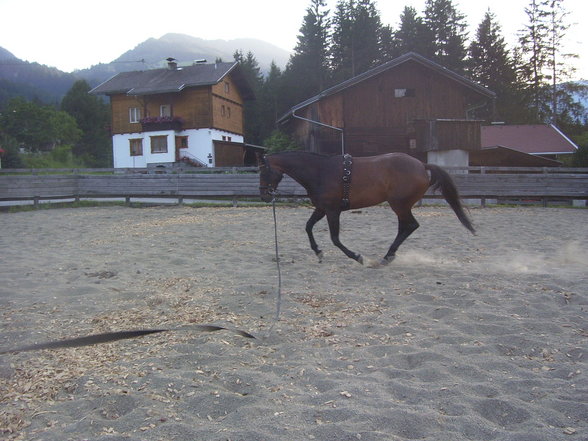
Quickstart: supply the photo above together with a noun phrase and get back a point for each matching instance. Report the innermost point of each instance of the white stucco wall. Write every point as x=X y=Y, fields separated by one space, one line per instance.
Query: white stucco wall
x=449 y=158
x=200 y=145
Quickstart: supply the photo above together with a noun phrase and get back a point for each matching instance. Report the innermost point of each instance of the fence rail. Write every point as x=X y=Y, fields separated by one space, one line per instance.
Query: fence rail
x=478 y=183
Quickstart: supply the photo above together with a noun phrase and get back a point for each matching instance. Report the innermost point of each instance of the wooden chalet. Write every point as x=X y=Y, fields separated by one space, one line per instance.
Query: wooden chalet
x=192 y=114
x=409 y=104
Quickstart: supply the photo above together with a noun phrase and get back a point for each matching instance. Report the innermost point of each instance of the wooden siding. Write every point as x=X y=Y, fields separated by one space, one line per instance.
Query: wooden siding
x=376 y=121
x=120 y=105
x=199 y=107
x=227 y=106
x=227 y=115
x=447 y=135
x=228 y=154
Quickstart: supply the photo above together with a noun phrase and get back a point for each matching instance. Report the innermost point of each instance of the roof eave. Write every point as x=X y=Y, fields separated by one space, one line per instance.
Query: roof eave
x=410 y=56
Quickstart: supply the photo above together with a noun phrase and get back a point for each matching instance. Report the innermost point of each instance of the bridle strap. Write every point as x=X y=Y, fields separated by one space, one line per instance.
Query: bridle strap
x=267 y=188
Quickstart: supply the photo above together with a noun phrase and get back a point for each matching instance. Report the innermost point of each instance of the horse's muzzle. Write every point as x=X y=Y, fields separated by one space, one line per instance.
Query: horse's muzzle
x=267 y=197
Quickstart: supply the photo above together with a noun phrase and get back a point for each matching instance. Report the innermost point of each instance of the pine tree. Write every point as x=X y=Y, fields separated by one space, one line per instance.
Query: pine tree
x=252 y=73
x=271 y=101
x=356 y=39
x=448 y=30
x=413 y=35
x=491 y=65
x=534 y=47
x=308 y=65
x=559 y=70
x=544 y=67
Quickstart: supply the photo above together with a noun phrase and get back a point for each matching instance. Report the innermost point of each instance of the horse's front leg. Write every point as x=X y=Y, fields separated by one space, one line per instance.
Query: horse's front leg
x=333 y=219
x=316 y=216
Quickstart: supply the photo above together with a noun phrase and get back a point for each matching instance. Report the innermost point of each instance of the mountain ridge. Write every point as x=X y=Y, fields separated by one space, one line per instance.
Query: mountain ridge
x=49 y=84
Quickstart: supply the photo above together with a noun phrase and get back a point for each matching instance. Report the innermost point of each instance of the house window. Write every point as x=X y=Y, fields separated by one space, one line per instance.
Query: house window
x=165 y=110
x=227 y=138
x=227 y=87
x=136 y=146
x=404 y=93
x=134 y=114
x=158 y=144
x=228 y=112
x=182 y=142
x=223 y=110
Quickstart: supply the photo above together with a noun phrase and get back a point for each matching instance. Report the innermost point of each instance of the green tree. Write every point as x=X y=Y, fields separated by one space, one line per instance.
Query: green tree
x=252 y=73
x=92 y=116
x=448 y=31
x=280 y=142
x=557 y=61
x=534 y=52
x=491 y=65
x=271 y=100
x=308 y=66
x=413 y=35
x=36 y=127
x=11 y=157
x=356 y=39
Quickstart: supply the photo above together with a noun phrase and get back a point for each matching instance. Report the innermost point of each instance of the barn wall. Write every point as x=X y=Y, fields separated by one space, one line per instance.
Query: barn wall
x=377 y=120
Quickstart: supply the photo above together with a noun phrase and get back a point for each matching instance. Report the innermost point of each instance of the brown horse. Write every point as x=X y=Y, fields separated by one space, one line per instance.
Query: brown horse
x=338 y=183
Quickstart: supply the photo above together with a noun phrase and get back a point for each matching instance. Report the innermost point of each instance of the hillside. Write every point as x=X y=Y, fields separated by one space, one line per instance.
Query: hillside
x=48 y=84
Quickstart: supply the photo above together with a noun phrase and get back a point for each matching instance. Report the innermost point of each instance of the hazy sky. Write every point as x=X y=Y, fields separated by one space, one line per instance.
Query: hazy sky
x=76 y=34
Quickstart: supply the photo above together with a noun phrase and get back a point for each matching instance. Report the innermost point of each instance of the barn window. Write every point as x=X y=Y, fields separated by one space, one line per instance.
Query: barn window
x=159 y=144
x=136 y=146
x=404 y=93
x=134 y=114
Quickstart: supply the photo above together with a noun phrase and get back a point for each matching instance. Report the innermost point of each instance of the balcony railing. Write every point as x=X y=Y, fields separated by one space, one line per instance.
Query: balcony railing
x=152 y=124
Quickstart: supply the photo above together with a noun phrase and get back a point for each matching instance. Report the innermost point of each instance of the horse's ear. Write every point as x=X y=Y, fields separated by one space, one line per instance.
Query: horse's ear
x=260 y=159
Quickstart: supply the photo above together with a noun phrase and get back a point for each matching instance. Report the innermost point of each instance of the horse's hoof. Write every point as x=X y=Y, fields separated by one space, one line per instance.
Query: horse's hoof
x=386 y=260
x=320 y=256
x=359 y=259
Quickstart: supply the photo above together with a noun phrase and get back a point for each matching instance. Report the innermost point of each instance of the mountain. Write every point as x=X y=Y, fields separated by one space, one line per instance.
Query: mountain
x=31 y=80
x=152 y=53
x=49 y=85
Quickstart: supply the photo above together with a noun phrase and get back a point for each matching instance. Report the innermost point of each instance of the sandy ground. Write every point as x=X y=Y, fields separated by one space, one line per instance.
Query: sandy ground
x=460 y=338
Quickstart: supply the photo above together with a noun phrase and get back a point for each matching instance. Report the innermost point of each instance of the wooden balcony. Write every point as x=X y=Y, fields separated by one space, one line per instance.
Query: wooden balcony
x=156 y=124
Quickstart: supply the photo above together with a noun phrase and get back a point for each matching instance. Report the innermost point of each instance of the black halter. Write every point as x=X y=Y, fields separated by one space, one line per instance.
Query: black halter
x=347 y=164
x=268 y=188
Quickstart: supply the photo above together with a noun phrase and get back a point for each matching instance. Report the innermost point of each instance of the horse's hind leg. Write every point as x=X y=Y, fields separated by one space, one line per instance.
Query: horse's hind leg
x=407 y=224
x=316 y=216
x=333 y=218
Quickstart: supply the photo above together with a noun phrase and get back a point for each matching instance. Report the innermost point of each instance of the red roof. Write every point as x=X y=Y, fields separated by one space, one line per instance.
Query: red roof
x=537 y=139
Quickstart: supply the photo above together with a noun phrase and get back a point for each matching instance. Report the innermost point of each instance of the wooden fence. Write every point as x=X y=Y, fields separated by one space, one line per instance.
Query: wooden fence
x=480 y=183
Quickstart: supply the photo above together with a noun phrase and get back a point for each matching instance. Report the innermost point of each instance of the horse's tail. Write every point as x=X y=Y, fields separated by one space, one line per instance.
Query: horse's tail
x=440 y=179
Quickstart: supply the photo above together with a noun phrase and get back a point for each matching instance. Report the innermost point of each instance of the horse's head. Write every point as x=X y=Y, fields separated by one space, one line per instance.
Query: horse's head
x=269 y=179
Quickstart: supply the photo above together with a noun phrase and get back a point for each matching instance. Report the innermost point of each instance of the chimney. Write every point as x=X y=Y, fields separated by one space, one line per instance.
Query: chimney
x=172 y=64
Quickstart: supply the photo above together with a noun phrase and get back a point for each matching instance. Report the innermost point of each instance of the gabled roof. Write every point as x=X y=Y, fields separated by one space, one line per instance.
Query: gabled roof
x=408 y=57
x=536 y=139
x=504 y=157
x=155 y=81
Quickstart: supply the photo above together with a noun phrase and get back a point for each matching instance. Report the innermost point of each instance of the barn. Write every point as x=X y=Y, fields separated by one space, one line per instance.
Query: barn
x=410 y=104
